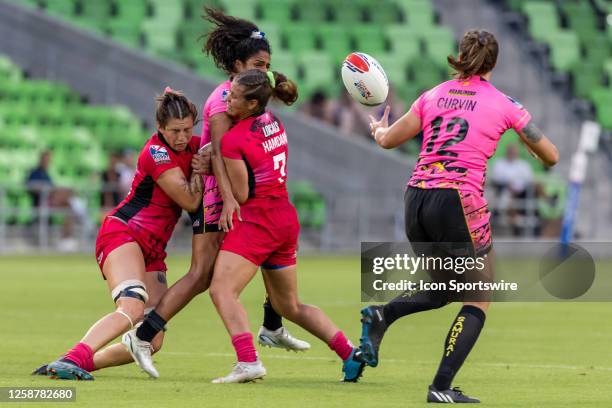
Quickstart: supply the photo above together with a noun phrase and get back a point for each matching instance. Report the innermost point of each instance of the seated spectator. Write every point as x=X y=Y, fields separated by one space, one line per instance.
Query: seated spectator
x=318 y=107
x=45 y=194
x=512 y=178
x=111 y=196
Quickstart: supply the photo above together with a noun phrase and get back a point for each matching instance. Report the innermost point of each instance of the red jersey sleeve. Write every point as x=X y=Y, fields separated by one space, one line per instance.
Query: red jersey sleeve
x=516 y=115
x=230 y=144
x=156 y=159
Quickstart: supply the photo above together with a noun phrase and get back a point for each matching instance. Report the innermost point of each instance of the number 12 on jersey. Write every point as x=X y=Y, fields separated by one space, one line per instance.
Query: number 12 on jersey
x=280 y=161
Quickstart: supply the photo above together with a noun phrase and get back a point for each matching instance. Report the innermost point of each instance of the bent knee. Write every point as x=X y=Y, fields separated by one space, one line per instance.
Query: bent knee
x=134 y=309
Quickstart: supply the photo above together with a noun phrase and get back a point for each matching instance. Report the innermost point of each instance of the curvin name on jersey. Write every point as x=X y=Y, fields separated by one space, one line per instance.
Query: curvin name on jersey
x=456 y=103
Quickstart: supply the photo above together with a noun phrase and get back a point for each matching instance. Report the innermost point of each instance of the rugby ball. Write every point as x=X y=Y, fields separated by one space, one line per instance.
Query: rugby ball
x=364 y=79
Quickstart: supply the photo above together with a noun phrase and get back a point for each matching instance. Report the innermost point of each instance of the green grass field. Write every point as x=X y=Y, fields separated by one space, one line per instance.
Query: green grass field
x=529 y=354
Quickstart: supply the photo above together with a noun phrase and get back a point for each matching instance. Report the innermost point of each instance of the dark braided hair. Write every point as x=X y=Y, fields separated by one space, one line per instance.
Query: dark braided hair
x=232 y=39
x=174 y=105
x=258 y=87
x=477 y=54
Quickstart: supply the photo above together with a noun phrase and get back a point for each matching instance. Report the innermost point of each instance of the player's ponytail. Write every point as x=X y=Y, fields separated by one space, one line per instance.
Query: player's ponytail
x=284 y=89
x=232 y=39
x=173 y=105
x=261 y=86
x=477 y=54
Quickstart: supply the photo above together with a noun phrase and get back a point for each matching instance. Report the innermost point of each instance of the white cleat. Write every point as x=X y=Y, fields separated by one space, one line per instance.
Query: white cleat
x=281 y=338
x=243 y=372
x=140 y=351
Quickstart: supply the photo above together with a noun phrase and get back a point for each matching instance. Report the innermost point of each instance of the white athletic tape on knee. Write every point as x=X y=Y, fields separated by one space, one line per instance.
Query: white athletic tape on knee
x=127 y=317
x=130 y=288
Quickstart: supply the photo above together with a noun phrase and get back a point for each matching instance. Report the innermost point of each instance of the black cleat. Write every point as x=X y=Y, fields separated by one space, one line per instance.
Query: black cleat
x=454 y=396
x=373 y=327
x=42 y=370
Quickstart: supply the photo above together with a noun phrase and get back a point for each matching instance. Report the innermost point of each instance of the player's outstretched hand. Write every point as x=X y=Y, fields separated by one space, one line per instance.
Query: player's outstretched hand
x=229 y=207
x=382 y=123
x=201 y=163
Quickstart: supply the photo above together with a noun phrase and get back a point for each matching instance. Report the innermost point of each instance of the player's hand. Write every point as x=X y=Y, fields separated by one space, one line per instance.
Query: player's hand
x=201 y=163
x=379 y=124
x=229 y=207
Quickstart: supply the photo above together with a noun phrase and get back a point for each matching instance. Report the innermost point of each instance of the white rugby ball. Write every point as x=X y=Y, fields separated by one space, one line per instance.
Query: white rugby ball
x=365 y=79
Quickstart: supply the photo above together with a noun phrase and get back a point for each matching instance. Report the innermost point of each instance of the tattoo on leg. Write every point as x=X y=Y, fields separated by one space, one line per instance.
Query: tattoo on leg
x=532 y=132
x=161 y=277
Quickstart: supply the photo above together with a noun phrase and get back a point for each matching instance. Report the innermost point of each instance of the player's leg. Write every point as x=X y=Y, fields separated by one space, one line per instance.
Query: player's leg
x=117 y=354
x=124 y=270
x=467 y=325
x=281 y=282
x=376 y=319
x=279 y=337
x=232 y=273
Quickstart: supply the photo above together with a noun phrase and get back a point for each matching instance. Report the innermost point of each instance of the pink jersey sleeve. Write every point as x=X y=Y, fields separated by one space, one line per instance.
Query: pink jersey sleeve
x=215 y=104
x=516 y=115
x=417 y=106
x=230 y=147
x=156 y=160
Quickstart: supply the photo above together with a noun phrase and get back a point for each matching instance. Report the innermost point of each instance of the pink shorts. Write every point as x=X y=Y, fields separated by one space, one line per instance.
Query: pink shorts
x=268 y=234
x=114 y=233
x=212 y=203
x=477 y=217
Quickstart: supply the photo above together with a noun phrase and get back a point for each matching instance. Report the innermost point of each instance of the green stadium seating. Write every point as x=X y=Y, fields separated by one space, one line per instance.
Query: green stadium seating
x=299 y=37
x=369 y=39
x=345 y=12
x=602 y=99
x=581 y=17
x=61 y=8
x=276 y=11
x=241 y=8
x=608 y=70
x=313 y=11
x=543 y=20
x=318 y=73
x=587 y=76
x=439 y=43
x=285 y=63
x=564 y=50
x=335 y=41
x=419 y=14
x=404 y=40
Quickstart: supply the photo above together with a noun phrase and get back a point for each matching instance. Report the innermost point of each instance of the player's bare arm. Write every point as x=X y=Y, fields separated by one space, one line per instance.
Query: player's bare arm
x=539 y=145
x=388 y=137
x=219 y=124
x=180 y=190
x=237 y=171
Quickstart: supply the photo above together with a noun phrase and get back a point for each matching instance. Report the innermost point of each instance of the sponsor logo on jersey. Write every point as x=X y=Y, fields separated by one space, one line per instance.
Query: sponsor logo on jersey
x=514 y=101
x=461 y=92
x=363 y=89
x=159 y=153
x=224 y=95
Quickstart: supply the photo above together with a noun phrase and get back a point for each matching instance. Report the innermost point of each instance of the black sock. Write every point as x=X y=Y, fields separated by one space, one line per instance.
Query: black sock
x=152 y=324
x=272 y=320
x=406 y=304
x=461 y=338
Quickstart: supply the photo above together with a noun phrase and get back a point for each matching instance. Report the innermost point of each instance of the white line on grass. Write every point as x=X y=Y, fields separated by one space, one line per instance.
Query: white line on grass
x=299 y=356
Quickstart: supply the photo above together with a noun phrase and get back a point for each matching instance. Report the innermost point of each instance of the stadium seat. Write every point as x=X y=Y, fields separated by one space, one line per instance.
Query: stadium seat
x=313 y=11
x=318 y=73
x=439 y=44
x=159 y=37
x=299 y=37
x=418 y=14
x=369 y=39
x=381 y=13
x=167 y=12
x=285 y=63
x=597 y=48
x=62 y=8
x=564 y=50
x=395 y=66
x=124 y=31
x=133 y=11
x=241 y=8
x=276 y=11
x=586 y=77
x=345 y=12
x=602 y=99
x=335 y=41
x=581 y=17
x=542 y=18
x=403 y=39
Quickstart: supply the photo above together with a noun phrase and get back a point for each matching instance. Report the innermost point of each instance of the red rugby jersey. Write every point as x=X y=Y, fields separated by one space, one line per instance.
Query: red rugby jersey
x=147 y=208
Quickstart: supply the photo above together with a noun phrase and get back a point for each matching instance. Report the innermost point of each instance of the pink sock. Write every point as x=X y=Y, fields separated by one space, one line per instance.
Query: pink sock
x=81 y=355
x=340 y=344
x=245 y=350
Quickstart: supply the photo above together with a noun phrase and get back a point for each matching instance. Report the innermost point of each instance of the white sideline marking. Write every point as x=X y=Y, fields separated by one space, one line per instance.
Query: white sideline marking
x=394 y=360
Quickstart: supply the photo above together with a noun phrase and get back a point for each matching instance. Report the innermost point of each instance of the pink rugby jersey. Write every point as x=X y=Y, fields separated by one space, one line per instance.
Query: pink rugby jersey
x=216 y=103
x=462 y=121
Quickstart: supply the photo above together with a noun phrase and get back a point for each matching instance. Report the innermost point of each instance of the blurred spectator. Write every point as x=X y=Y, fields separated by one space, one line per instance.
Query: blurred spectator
x=45 y=194
x=126 y=167
x=111 y=195
x=512 y=179
x=350 y=116
x=318 y=107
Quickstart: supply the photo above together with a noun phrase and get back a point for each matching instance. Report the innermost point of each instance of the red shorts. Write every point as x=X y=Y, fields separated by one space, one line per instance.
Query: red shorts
x=268 y=234
x=114 y=233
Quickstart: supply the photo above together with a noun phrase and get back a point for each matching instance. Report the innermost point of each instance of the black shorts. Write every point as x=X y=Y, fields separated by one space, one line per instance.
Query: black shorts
x=436 y=226
x=197 y=222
